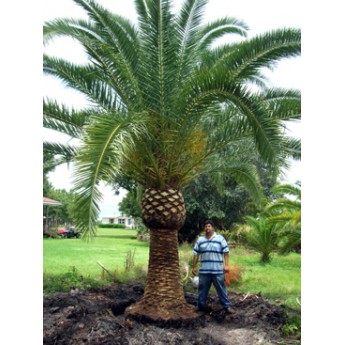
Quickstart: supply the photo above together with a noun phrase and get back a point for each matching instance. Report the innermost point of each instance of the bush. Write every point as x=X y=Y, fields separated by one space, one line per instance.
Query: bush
x=112 y=226
x=50 y=232
x=226 y=234
x=143 y=232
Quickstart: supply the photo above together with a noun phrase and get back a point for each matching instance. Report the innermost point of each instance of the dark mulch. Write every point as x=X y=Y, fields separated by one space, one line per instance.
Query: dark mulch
x=96 y=316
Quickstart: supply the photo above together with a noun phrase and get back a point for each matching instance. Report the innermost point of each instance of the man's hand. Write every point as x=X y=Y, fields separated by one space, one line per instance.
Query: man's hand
x=226 y=269
x=195 y=262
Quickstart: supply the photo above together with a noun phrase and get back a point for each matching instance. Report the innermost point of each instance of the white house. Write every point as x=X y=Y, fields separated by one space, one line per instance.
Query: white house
x=127 y=221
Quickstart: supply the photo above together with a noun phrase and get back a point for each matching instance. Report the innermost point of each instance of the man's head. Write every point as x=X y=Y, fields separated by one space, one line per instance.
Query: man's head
x=208 y=224
x=208 y=221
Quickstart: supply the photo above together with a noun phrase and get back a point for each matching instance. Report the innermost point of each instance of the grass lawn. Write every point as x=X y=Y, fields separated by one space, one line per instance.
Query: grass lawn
x=279 y=280
x=110 y=247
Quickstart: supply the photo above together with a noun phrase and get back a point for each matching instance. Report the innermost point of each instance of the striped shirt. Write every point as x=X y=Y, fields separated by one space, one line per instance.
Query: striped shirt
x=211 y=253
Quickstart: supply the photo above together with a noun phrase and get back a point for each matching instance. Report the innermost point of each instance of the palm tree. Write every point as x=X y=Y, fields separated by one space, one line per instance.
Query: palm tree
x=166 y=107
x=263 y=236
x=285 y=212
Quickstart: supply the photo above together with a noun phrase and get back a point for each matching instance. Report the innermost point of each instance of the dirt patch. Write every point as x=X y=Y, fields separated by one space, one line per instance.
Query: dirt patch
x=96 y=316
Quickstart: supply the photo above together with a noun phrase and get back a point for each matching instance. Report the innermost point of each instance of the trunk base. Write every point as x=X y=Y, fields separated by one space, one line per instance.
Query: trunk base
x=178 y=315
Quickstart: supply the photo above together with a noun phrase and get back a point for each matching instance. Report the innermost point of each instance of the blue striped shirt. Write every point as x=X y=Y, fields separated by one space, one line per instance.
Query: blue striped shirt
x=211 y=253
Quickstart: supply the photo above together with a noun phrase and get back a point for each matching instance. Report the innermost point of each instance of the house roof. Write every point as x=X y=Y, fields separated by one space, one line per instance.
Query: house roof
x=51 y=202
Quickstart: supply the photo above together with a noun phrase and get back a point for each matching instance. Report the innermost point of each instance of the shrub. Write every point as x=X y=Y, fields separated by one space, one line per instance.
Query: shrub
x=112 y=226
x=226 y=234
x=143 y=232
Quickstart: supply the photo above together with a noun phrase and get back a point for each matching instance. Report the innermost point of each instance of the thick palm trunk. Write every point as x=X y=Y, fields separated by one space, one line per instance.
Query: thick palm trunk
x=164 y=213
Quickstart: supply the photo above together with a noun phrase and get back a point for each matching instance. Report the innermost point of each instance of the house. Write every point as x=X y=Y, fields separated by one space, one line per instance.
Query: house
x=47 y=202
x=127 y=221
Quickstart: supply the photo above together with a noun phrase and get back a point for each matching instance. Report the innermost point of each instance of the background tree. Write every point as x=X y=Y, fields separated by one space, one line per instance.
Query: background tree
x=64 y=213
x=166 y=107
x=49 y=164
x=224 y=201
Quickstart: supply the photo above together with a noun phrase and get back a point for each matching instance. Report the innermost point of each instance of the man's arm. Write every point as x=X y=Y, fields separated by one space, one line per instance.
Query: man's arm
x=226 y=262
x=195 y=261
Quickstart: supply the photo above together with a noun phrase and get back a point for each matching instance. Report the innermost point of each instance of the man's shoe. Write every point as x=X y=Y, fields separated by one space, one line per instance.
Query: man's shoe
x=229 y=311
x=200 y=308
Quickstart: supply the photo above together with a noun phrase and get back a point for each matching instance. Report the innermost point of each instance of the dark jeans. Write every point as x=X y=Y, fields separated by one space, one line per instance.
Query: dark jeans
x=205 y=281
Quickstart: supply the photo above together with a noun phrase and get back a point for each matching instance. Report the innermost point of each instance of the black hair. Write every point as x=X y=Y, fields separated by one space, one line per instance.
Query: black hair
x=208 y=221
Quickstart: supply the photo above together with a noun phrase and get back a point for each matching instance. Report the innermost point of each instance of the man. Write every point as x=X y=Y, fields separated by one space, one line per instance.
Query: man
x=214 y=261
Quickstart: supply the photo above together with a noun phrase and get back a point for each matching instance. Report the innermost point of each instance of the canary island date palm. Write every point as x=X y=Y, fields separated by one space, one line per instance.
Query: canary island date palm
x=285 y=212
x=165 y=107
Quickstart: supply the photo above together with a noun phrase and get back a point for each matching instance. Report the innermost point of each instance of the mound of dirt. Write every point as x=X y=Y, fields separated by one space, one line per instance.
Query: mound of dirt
x=96 y=316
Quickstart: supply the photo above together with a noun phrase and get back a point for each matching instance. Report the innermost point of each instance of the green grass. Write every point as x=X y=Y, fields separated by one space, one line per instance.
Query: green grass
x=110 y=247
x=279 y=280
x=66 y=260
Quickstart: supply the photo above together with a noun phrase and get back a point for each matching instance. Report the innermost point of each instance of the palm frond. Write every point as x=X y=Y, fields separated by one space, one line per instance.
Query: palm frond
x=188 y=21
x=292 y=148
x=114 y=50
x=64 y=120
x=89 y=81
x=293 y=190
x=159 y=56
x=218 y=28
x=283 y=104
x=215 y=87
x=100 y=158
x=244 y=59
x=283 y=204
x=65 y=153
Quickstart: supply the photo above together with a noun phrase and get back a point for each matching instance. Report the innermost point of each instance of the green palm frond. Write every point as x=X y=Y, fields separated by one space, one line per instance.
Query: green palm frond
x=69 y=27
x=159 y=56
x=293 y=190
x=100 y=89
x=284 y=204
x=282 y=103
x=293 y=148
x=64 y=120
x=243 y=60
x=188 y=21
x=100 y=158
x=218 y=28
x=214 y=87
x=66 y=153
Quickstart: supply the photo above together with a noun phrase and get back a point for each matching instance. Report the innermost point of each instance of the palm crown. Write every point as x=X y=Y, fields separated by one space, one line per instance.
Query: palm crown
x=166 y=105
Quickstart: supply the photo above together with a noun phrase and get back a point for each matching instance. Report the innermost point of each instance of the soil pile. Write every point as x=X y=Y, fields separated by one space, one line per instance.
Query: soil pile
x=96 y=316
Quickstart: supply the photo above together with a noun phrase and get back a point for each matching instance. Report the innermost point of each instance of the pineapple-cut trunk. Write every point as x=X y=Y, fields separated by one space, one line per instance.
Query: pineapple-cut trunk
x=163 y=212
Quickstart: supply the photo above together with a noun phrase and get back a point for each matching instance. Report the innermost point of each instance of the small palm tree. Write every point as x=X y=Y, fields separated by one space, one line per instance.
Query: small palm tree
x=263 y=237
x=166 y=107
x=285 y=212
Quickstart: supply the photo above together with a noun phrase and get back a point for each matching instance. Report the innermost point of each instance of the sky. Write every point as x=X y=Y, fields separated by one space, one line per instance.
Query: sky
x=286 y=74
